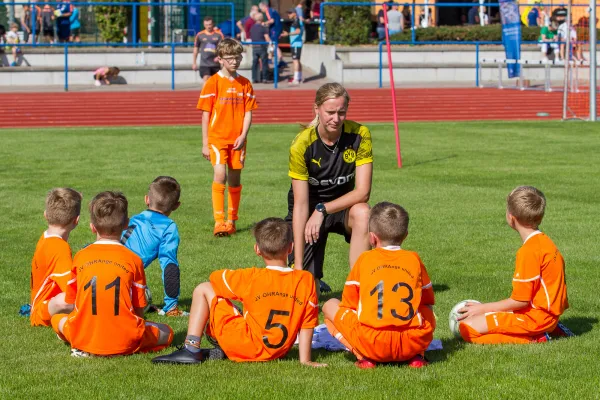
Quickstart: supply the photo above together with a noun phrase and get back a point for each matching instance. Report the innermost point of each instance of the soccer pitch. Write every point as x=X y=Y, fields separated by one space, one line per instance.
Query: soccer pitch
x=454 y=183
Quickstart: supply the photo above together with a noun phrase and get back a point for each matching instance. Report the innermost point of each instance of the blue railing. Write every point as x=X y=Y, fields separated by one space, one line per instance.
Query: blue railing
x=66 y=47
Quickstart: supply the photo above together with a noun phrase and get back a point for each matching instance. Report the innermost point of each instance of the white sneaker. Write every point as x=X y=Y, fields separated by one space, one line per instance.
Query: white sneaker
x=79 y=353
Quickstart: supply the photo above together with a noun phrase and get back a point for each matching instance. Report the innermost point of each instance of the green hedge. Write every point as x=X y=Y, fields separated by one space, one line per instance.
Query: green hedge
x=465 y=33
x=111 y=21
x=348 y=25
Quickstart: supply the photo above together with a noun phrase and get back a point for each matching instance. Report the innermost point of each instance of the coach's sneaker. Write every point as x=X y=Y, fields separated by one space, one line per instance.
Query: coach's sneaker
x=418 y=361
x=365 y=364
x=181 y=356
x=79 y=353
x=323 y=287
x=174 y=312
x=230 y=227
x=220 y=229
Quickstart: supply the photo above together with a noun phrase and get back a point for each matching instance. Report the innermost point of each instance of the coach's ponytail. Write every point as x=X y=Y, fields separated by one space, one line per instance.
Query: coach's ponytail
x=326 y=92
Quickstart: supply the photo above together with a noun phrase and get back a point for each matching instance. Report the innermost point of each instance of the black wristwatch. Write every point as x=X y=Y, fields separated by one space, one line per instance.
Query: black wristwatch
x=321 y=208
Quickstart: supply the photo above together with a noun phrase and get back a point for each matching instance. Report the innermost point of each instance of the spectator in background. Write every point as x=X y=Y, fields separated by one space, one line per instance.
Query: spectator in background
x=275 y=26
x=544 y=17
x=548 y=38
x=48 y=23
x=243 y=26
x=395 y=20
x=473 y=15
x=12 y=37
x=576 y=51
x=315 y=11
x=28 y=25
x=533 y=18
x=206 y=43
x=425 y=23
x=299 y=10
x=407 y=16
x=75 y=25
x=295 y=35
x=560 y=14
x=63 y=24
x=259 y=33
x=485 y=16
x=381 y=22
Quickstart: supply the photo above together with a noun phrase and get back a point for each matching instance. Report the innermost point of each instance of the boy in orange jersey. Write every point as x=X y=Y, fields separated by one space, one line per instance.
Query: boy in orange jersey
x=109 y=291
x=226 y=101
x=52 y=261
x=278 y=303
x=539 y=293
x=386 y=310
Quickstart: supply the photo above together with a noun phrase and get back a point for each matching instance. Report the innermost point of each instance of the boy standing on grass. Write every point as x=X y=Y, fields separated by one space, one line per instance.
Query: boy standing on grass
x=227 y=101
x=386 y=310
x=152 y=234
x=539 y=293
x=109 y=291
x=278 y=303
x=52 y=262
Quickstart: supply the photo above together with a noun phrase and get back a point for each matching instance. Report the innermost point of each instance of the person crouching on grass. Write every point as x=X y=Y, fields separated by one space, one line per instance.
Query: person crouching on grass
x=227 y=101
x=279 y=302
x=104 y=74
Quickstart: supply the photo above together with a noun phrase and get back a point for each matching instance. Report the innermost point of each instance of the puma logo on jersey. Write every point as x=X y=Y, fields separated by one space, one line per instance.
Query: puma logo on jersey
x=318 y=162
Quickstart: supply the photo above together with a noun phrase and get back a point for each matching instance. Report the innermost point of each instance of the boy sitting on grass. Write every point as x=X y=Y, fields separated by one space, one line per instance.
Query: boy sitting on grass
x=52 y=260
x=109 y=291
x=278 y=303
x=539 y=293
x=386 y=310
x=152 y=234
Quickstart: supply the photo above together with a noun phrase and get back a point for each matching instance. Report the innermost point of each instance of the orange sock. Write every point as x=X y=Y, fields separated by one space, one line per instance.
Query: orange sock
x=338 y=335
x=472 y=336
x=218 y=200
x=235 y=193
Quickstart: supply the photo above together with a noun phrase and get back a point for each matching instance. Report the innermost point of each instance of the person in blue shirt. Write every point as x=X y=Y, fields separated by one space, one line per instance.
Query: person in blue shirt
x=63 y=24
x=152 y=234
x=533 y=17
x=273 y=21
x=75 y=25
x=295 y=34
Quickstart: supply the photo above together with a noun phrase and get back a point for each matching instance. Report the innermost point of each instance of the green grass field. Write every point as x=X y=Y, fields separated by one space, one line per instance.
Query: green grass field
x=454 y=183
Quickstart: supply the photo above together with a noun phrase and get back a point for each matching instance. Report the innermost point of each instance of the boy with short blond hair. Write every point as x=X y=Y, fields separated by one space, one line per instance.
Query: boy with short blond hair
x=52 y=260
x=278 y=303
x=386 y=310
x=151 y=234
x=227 y=101
x=109 y=291
x=539 y=295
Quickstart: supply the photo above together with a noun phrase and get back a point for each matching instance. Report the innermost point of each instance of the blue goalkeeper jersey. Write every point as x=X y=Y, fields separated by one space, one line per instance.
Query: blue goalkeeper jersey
x=152 y=235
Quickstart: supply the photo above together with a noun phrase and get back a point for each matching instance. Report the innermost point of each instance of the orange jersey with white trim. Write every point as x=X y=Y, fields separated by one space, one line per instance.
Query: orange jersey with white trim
x=278 y=302
x=227 y=100
x=50 y=268
x=109 y=283
x=386 y=286
x=540 y=275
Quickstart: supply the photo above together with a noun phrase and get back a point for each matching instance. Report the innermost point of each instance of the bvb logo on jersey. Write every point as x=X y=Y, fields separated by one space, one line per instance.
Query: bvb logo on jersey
x=349 y=156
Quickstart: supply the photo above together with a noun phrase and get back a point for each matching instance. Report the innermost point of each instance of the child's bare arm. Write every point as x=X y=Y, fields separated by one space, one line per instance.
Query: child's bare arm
x=473 y=309
x=205 y=121
x=239 y=142
x=305 y=347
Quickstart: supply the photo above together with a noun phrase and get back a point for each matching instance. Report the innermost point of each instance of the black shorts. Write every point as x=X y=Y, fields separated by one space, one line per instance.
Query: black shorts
x=296 y=53
x=48 y=31
x=75 y=32
x=314 y=254
x=210 y=71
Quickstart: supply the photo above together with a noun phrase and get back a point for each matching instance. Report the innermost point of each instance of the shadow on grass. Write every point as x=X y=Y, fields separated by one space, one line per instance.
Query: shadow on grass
x=335 y=294
x=429 y=161
x=441 y=287
x=579 y=325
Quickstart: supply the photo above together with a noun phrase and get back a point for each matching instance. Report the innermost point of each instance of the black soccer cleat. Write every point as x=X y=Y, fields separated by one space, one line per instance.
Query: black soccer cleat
x=213 y=354
x=181 y=356
x=325 y=288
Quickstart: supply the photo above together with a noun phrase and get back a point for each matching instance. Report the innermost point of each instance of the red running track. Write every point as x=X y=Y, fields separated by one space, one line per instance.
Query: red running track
x=19 y=110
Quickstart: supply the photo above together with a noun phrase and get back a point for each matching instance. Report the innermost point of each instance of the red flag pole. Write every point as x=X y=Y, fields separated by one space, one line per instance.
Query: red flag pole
x=393 y=86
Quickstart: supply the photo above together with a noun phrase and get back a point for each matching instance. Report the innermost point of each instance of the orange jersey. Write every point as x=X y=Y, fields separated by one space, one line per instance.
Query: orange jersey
x=278 y=302
x=386 y=287
x=109 y=283
x=50 y=269
x=540 y=275
x=227 y=100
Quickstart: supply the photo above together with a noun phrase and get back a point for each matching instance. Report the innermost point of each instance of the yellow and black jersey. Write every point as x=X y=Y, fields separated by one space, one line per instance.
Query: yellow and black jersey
x=329 y=170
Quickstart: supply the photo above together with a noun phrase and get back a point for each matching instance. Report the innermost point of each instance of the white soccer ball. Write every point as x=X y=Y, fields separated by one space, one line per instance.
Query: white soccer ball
x=454 y=314
x=148 y=299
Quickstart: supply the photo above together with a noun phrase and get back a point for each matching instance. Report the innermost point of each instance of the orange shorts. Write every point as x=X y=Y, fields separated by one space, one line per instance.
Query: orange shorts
x=40 y=315
x=528 y=322
x=225 y=154
x=386 y=345
x=148 y=342
x=232 y=332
